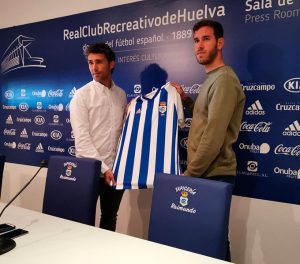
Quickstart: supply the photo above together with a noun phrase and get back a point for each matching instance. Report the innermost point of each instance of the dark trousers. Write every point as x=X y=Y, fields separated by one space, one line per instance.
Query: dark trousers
x=228 y=179
x=110 y=200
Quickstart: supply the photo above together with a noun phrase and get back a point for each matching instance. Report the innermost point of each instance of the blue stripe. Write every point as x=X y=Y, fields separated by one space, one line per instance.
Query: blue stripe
x=118 y=159
x=131 y=149
x=174 y=151
x=143 y=174
x=161 y=132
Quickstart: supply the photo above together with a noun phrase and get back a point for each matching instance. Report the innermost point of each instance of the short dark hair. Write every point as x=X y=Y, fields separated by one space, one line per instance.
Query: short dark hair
x=100 y=48
x=217 y=27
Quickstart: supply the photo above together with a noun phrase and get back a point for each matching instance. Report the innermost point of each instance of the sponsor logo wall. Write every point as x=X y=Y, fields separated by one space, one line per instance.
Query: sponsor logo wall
x=41 y=72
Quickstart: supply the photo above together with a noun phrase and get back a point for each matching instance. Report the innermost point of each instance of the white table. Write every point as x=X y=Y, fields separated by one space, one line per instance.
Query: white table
x=56 y=240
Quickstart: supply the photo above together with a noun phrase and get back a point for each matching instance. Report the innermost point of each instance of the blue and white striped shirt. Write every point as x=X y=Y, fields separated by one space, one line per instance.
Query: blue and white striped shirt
x=148 y=143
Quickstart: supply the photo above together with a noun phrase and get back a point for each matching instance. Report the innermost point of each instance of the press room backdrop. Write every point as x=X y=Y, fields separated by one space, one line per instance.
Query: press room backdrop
x=42 y=65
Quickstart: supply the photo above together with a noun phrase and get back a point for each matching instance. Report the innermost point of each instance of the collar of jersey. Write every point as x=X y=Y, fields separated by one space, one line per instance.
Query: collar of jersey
x=145 y=98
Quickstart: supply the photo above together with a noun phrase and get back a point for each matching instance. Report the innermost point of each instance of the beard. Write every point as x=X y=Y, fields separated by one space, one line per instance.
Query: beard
x=211 y=56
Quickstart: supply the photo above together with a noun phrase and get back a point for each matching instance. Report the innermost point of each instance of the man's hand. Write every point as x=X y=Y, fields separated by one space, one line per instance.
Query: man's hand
x=179 y=89
x=109 y=178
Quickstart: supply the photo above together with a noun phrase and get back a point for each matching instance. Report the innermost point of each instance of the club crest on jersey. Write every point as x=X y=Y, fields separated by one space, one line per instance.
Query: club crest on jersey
x=162 y=107
x=183 y=200
x=138 y=111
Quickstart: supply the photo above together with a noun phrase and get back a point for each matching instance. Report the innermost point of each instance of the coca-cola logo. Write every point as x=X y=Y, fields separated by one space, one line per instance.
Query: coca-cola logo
x=260 y=127
x=9 y=132
x=194 y=89
x=24 y=146
x=289 y=151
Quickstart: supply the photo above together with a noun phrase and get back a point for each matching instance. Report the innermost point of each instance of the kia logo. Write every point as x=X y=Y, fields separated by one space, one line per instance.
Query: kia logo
x=56 y=135
x=183 y=143
x=39 y=120
x=23 y=107
x=292 y=85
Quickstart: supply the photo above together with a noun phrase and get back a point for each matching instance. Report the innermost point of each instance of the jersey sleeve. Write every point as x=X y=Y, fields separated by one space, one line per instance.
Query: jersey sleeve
x=178 y=103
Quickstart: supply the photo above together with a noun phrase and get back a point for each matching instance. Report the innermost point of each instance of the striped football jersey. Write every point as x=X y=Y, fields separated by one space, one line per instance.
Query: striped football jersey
x=149 y=141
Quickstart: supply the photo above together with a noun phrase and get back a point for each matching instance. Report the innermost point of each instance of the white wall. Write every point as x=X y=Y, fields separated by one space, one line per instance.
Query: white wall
x=19 y=12
x=262 y=232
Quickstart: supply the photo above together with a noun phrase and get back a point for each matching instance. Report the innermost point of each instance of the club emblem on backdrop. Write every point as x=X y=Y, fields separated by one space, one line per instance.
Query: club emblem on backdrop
x=17 y=56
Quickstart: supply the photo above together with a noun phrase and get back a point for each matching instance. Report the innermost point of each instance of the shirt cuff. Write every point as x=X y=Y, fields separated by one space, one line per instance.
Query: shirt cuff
x=104 y=168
